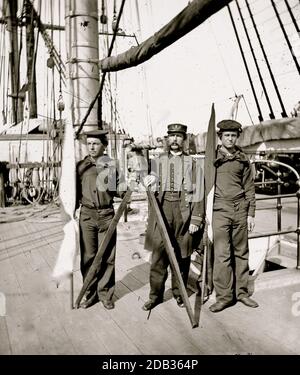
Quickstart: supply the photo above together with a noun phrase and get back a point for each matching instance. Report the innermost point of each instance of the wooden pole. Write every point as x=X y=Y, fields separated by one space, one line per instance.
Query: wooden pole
x=72 y=291
x=171 y=254
x=204 y=266
x=2 y=191
x=102 y=247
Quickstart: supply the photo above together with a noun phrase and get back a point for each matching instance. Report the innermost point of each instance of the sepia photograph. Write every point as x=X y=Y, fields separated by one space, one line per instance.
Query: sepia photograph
x=149 y=181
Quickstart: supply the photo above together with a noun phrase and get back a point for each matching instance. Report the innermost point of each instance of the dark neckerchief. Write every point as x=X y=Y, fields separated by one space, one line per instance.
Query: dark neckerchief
x=223 y=158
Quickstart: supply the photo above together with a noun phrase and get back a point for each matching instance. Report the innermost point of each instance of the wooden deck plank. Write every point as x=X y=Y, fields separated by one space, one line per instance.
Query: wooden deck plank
x=128 y=313
x=161 y=328
x=239 y=342
x=133 y=320
x=53 y=337
x=128 y=289
x=111 y=336
x=35 y=289
x=139 y=276
x=5 y=345
x=232 y=337
x=18 y=325
x=89 y=323
x=39 y=319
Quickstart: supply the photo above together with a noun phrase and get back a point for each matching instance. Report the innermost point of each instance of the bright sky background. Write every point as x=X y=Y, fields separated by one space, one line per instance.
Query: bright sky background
x=204 y=67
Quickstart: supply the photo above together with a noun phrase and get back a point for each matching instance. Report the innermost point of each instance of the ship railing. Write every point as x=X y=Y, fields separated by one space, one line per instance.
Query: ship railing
x=278 y=197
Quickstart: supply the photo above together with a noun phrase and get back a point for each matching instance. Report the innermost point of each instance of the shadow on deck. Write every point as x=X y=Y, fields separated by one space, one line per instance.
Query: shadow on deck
x=36 y=318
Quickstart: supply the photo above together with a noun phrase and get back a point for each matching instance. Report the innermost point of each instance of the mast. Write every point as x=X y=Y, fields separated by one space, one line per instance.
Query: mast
x=81 y=18
x=31 y=53
x=12 y=27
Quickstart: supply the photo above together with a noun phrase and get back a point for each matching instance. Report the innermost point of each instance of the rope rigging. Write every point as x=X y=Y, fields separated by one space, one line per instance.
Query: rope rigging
x=260 y=117
x=272 y=116
x=145 y=83
x=283 y=113
x=115 y=116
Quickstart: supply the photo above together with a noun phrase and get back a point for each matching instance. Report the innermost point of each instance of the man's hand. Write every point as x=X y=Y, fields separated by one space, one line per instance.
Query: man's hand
x=149 y=180
x=193 y=228
x=77 y=213
x=250 y=223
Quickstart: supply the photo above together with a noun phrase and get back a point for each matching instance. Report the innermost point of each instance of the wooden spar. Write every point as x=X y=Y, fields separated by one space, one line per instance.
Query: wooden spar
x=33 y=165
x=191 y=16
x=171 y=254
x=111 y=229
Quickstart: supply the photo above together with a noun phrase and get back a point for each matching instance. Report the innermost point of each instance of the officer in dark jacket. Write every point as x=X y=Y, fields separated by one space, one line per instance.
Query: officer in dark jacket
x=233 y=217
x=177 y=181
x=98 y=182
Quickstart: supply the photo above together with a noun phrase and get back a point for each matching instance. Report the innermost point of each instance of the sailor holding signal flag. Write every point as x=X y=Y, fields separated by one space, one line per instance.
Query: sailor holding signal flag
x=98 y=182
x=233 y=217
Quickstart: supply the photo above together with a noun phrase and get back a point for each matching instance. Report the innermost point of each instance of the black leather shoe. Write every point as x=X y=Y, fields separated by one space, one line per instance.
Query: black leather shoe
x=88 y=303
x=149 y=305
x=179 y=301
x=249 y=302
x=108 y=304
x=218 y=306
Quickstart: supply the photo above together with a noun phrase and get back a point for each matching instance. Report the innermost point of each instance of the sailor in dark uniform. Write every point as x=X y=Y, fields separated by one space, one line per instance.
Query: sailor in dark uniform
x=176 y=177
x=233 y=217
x=98 y=182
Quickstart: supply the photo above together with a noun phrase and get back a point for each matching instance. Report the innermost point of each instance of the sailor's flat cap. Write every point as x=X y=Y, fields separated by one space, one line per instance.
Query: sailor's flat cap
x=226 y=125
x=177 y=128
x=96 y=133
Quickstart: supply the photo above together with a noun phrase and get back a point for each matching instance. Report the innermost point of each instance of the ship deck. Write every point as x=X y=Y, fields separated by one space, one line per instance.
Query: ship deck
x=38 y=318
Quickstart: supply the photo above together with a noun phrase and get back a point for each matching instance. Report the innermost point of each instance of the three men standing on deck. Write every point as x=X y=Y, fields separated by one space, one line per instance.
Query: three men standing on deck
x=177 y=179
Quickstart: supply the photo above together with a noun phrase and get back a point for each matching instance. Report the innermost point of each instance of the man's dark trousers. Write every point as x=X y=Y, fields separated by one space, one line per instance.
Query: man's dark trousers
x=231 y=253
x=160 y=260
x=93 y=225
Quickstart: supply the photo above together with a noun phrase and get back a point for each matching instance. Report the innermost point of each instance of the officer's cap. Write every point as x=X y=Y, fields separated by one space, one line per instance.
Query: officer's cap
x=227 y=125
x=177 y=128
